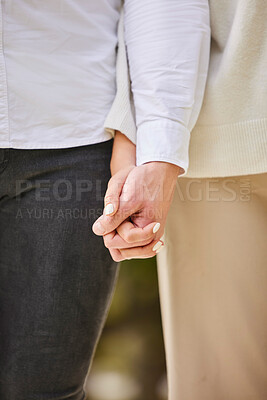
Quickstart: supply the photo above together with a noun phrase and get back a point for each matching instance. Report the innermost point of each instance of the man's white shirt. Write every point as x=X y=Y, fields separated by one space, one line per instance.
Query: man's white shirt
x=58 y=72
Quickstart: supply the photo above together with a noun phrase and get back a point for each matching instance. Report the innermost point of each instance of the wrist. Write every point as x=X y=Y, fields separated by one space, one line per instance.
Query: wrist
x=172 y=170
x=123 y=153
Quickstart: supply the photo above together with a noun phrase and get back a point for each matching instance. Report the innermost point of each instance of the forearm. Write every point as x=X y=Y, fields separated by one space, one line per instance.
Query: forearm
x=168 y=51
x=123 y=153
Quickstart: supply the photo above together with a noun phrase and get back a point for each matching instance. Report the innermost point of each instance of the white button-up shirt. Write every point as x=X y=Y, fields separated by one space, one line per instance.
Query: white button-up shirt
x=58 y=72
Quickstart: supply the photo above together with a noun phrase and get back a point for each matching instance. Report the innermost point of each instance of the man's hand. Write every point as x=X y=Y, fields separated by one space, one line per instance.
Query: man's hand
x=136 y=208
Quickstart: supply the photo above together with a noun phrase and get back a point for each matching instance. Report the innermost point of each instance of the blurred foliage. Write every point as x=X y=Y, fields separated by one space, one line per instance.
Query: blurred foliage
x=131 y=345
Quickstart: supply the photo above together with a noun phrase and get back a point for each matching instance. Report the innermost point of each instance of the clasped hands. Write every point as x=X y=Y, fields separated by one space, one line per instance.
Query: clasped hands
x=137 y=201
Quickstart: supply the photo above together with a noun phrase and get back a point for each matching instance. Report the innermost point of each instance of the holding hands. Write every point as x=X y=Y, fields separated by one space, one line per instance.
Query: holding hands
x=137 y=202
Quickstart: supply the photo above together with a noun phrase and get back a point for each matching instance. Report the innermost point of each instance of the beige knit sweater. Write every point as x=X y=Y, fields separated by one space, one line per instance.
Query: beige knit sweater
x=230 y=136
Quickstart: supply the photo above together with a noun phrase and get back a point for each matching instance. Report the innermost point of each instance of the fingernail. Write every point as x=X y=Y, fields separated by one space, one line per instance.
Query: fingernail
x=156 y=227
x=109 y=209
x=98 y=228
x=157 y=246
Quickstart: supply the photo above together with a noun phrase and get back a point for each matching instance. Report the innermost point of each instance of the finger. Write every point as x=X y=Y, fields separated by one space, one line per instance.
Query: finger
x=113 y=192
x=147 y=251
x=108 y=223
x=130 y=233
x=116 y=255
x=114 y=241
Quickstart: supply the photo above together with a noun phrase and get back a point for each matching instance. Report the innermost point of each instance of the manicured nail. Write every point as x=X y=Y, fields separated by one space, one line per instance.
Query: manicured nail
x=157 y=246
x=98 y=228
x=156 y=227
x=109 y=209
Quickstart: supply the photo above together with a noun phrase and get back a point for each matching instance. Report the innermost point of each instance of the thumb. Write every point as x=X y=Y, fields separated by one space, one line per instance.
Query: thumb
x=114 y=190
x=106 y=223
x=109 y=221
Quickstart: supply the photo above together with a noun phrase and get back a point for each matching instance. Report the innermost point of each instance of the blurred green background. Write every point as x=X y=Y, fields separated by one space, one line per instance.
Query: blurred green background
x=129 y=363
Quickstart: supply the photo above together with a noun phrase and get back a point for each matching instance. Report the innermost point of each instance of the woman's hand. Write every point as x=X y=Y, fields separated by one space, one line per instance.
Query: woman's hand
x=122 y=162
x=123 y=153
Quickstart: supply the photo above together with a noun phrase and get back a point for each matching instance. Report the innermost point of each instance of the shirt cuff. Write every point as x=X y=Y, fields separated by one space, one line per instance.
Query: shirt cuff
x=163 y=140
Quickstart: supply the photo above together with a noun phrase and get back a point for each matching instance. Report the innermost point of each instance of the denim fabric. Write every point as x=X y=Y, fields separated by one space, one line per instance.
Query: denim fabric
x=56 y=276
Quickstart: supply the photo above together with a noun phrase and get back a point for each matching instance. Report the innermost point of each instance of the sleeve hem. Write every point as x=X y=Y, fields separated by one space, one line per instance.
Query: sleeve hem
x=163 y=140
x=157 y=157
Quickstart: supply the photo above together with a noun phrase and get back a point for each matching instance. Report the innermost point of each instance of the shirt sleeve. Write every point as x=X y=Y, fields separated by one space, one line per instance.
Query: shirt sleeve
x=167 y=44
x=121 y=115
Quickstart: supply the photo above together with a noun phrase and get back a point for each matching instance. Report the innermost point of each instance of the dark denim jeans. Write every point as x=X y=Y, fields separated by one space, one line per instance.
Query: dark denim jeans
x=56 y=276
